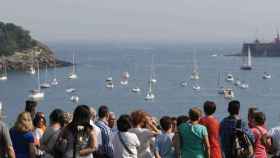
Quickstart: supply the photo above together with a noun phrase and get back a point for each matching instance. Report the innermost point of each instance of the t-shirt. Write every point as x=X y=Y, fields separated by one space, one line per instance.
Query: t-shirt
x=49 y=139
x=275 y=134
x=260 y=151
x=163 y=145
x=192 y=140
x=5 y=139
x=20 y=142
x=98 y=134
x=38 y=133
x=145 y=137
x=131 y=141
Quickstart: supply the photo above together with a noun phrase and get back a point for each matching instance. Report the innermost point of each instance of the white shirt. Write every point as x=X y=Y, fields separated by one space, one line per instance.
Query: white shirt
x=98 y=134
x=131 y=141
x=275 y=134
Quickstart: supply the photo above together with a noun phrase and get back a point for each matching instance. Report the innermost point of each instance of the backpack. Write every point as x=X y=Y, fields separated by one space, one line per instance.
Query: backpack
x=61 y=145
x=266 y=141
x=242 y=147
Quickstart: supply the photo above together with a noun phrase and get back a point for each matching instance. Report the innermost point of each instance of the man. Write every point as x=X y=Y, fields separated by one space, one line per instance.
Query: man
x=106 y=133
x=96 y=128
x=30 y=106
x=6 y=146
x=112 y=120
x=228 y=126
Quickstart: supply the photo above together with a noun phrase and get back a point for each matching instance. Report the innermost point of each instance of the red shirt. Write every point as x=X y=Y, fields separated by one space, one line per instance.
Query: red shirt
x=213 y=128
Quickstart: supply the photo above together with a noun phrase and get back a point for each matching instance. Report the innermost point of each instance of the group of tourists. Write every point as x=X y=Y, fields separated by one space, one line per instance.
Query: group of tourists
x=86 y=133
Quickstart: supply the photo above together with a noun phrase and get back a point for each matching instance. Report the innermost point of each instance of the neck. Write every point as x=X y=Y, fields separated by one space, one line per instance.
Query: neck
x=195 y=122
x=168 y=131
x=104 y=120
x=56 y=125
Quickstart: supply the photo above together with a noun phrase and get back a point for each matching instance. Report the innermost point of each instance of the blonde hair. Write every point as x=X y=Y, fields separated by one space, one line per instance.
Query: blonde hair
x=24 y=122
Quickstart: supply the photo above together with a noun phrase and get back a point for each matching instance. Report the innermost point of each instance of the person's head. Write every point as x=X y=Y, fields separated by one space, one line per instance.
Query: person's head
x=93 y=113
x=30 y=106
x=259 y=118
x=57 y=116
x=194 y=114
x=67 y=118
x=139 y=118
x=182 y=119
x=81 y=116
x=251 y=112
x=112 y=120
x=24 y=122
x=124 y=123
x=39 y=121
x=233 y=107
x=165 y=123
x=209 y=107
x=103 y=112
x=174 y=123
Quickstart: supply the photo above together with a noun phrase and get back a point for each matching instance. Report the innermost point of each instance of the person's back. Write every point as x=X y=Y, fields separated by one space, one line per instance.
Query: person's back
x=274 y=133
x=6 y=146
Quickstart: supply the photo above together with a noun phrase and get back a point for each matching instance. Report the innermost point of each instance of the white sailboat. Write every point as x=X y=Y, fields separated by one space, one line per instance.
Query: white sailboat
x=70 y=90
x=32 y=70
x=153 y=75
x=247 y=64
x=73 y=74
x=229 y=78
x=125 y=77
x=54 y=81
x=237 y=82
x=46 y=84
x=3 y=72
x=244 y=85
x=195 y=74
x=135 y=89
x=75 y=98
x=196 y=87
x=150 y=95
x=266 y=75
x=37 y=94
x=109 y=83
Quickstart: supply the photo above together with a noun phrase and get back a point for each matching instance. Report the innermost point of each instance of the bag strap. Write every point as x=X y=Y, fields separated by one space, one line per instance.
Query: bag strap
x=124 y=145
x=238 y=124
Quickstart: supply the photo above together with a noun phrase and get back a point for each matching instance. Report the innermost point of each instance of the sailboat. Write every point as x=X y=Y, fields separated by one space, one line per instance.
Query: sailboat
x=37 y=94
x=135 y=89
x=195 y=74
x=244 y=85
x=237 y=82
x=4 y=74
x=247 y=65
x=266 y=75
x=150 y=95
x=229 y=77
x=196 y=87
x=75 y=98
x=54 y=81
x=125 y=77
x=153 y=76
x=220 y=89
x=73 y=74
x=45 y=84
x=109 y=83
x=32 y=68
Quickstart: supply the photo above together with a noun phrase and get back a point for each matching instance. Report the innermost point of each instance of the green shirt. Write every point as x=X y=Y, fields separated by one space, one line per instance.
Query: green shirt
x=192 y=140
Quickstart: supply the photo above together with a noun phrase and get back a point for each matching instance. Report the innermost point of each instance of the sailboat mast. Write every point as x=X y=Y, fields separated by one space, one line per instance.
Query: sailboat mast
x=73 y=70
x=38 y=78
x=249 y=57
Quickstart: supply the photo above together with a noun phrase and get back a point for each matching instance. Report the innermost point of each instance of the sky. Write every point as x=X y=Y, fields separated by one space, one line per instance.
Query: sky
x=145 y=20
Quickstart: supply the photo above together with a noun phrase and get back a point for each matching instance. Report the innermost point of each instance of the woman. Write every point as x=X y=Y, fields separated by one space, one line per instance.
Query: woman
x=259 y=131
x=40 y=127
x=22 y=137
x=49 y=137
x=145 y=130
x=194 y=137
x=213 y=127
x=125 y=143
x=78 y=137
x=251 y=112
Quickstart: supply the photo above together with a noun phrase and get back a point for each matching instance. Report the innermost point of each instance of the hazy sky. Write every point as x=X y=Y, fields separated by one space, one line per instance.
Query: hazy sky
x=178 y=20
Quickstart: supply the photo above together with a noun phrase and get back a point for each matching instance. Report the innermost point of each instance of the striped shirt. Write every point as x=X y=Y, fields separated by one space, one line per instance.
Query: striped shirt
x=106 y=135
x=275 y=134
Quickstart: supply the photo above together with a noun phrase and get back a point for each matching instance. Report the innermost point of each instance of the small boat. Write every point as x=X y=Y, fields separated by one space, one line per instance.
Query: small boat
x=32 y=70
x=195 y=74
x=266 y=75
x=196 y=87
x=3 y=71
x=109 y=83
x=184 y=83
x=221 y=90
x=124 y=82
x=214 y=55
x=228 y=93
x=229 y=78
x=54 y=82
x=75 y=98
x=243 y=85
x=125 y=77
x=45 y=84
x=247 y=64
x=70 y=90
x=73 y=74
x=37 y=94
x=153 y=75
x=150 y=95
x=136 y=89
x=237 y=82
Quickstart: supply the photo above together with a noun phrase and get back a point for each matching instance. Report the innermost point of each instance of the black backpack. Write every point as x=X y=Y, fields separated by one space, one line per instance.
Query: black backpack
x=242 y=147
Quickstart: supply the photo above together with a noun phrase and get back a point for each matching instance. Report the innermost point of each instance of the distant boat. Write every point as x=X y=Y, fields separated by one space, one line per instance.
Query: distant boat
x=73 y=74
x=266 y=75
x=109 y=83
x=136 y=89
x=153 y=75
x=214 y=55
x=196 y=87
x=45 y=84
x=150 y=95
x=54 y=81
x=243 y=85
x=125 y=77
x=184 y=83
x=70 y=90
x=229 y=78
x=37 y=94
x=228 y=93
x=195 y=74
x=247 y=64
x=237 y=82
x=75 y=98
x=32 y=70
x=3 y=72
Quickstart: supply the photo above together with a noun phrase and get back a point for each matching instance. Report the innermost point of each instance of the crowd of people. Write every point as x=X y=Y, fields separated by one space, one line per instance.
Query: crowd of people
x=87 y=133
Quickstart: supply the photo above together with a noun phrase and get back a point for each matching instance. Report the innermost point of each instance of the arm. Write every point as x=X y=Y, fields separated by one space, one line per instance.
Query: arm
x=177 y=144
x=207 y=146
x=157 y=155
x=11 y=152
x=8 y=142
x=92 y=145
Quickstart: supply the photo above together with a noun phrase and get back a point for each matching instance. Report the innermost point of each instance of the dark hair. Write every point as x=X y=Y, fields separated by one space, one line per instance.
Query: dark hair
x=124 y=123
x=103 y=111
x=194 y=114
x=259 y=118
x=209 y=107
x=57 y=116
x=165 y=123
x=37 y=120
x=81 y=116
x=30 y=105
x=182 y=119
x=233 y=107
x=251 y=112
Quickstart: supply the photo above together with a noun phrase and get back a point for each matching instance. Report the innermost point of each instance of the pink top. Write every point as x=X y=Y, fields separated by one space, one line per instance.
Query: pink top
x=260 y=151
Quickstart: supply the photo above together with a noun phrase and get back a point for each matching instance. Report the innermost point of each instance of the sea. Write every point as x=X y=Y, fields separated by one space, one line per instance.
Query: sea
x=172 y=63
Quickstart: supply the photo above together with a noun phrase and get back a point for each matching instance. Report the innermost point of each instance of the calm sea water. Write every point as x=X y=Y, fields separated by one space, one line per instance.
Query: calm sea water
x=172 y=65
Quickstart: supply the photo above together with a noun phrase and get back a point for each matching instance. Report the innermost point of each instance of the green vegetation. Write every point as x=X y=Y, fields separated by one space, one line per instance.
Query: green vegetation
x=14 y=38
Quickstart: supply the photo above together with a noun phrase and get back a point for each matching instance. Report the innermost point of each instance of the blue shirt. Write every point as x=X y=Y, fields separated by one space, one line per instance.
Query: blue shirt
x=227 y=127
x=106 y=135
x=20 y=142
x=163 y=145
